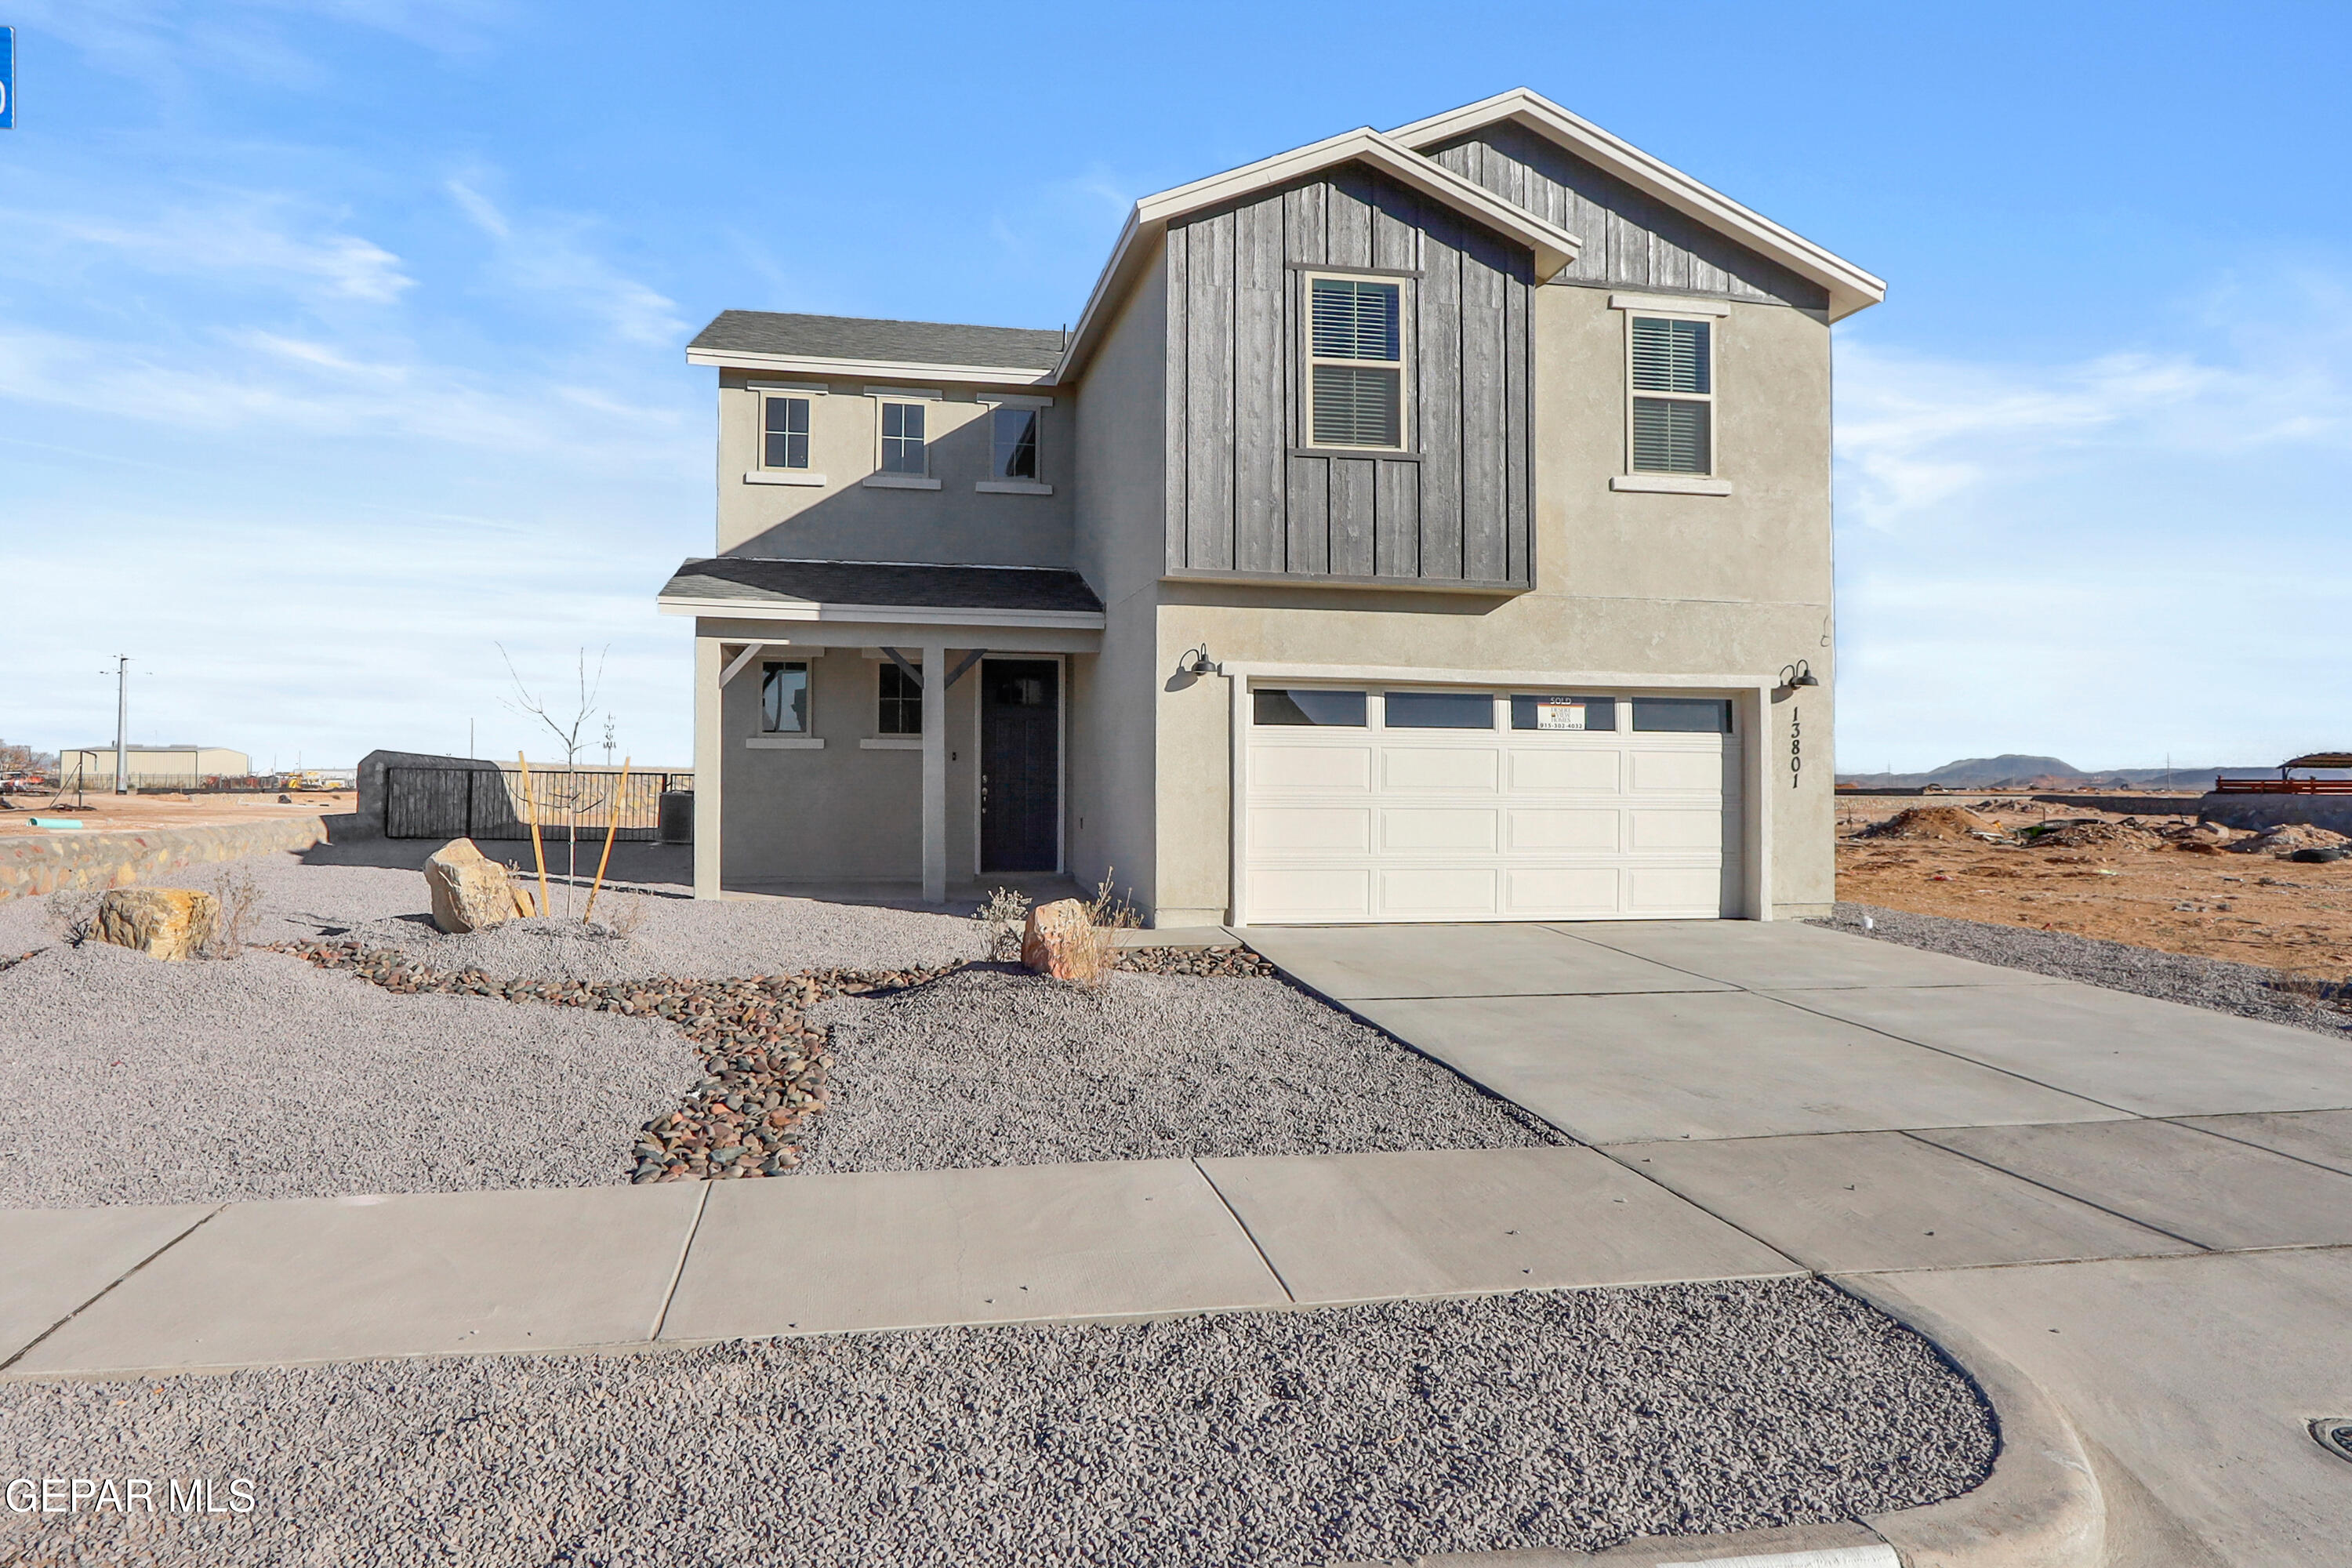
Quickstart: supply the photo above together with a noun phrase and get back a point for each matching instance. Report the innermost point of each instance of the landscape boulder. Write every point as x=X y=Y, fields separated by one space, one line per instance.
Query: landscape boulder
x=162 y=922
x=1060 y=940
x=470 y=890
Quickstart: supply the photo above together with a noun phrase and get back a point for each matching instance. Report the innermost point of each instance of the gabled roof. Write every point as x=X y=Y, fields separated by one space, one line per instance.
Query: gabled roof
x=1850 y=288
x=856 y=345
x=917 y=592
x=1554 y=248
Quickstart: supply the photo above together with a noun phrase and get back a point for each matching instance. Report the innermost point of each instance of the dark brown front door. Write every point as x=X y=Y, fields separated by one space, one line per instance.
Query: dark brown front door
x=1020 y=764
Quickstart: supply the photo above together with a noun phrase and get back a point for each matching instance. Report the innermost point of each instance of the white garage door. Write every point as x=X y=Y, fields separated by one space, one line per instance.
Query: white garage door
x=1368 y=803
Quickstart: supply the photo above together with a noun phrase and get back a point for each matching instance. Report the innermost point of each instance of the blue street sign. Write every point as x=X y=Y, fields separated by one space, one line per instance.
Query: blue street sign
x=7 y=78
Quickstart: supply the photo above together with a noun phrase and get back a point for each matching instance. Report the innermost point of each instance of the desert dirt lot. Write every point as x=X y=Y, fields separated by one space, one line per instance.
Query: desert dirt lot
x=99 y=812
x=2150 y=880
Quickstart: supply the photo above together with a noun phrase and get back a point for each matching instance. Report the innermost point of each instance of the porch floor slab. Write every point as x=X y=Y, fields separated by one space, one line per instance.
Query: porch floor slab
x=1852 y=1202
x=316 y=1280
x=2157 y=1059
x=904 y=1249
x=2207 y=1189
x=1628 y=1069
x=1358 y=1228
x=1350 y=963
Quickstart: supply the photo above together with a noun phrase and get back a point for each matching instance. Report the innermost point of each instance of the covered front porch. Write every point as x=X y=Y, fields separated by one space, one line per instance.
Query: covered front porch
x=865 y=731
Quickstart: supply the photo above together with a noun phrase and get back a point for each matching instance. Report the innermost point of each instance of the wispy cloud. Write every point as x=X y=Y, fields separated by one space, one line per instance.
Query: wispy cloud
x=248 y=240
x=2115 y=557
x=545 y=259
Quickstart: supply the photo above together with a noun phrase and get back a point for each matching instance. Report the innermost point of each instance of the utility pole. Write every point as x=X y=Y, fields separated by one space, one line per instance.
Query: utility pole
x=121 y=723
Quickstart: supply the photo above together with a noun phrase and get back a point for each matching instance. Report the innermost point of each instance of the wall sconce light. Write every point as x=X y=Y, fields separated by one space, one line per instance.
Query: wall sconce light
x=1798 y=674
x=1198 y=662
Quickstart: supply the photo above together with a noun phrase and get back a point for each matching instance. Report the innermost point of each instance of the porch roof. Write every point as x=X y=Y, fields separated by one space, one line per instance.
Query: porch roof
x=916 y=592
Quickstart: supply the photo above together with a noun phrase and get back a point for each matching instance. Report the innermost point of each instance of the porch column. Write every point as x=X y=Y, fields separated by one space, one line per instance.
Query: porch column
x=935 y=774
x=709 y=761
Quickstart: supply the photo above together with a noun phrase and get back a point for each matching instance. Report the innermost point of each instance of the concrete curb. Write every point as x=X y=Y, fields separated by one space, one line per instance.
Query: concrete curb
x=2042 y=1506
x=32 y=866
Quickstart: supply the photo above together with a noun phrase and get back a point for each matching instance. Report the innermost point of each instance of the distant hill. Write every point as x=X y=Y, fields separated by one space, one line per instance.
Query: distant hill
x=2018 y=770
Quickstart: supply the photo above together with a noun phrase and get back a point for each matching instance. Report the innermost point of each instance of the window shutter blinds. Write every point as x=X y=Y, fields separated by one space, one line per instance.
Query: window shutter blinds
x=1669 y=437
x=1670 y=356
x=1355 y=319
x=1355 y=406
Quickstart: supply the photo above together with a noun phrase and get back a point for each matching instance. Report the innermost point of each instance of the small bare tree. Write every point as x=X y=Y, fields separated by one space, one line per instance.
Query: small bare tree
x=569 y=725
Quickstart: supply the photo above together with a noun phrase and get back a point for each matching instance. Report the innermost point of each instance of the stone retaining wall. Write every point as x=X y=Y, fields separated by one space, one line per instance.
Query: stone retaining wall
x=35 y=865
x=2253 y=811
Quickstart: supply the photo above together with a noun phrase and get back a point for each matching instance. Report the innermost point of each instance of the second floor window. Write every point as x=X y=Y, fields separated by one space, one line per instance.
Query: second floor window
x=785 y=433
x=784 y=697
x=1355 y=357
x=1015 y=443
x=1671 y=371
x=903 y=451
x=902 y=703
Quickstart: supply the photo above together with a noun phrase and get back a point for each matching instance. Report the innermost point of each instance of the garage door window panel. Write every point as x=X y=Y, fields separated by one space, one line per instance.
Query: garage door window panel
x=1307 y=706
x=1683 y=715
x=1438 y=711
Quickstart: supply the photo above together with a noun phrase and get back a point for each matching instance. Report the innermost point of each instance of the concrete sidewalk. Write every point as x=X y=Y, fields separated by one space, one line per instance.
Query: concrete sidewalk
x=138 y=1290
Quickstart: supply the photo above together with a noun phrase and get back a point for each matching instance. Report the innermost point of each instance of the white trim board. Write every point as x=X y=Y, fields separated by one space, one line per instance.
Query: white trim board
x=805 y=365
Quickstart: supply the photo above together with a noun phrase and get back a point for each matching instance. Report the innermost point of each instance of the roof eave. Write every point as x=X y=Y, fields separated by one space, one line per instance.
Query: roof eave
x=894 y=370
x=1850 y=288
x=782 y=608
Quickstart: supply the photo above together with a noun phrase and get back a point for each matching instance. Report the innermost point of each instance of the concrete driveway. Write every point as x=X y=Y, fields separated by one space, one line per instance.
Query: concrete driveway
x=2145 y=1206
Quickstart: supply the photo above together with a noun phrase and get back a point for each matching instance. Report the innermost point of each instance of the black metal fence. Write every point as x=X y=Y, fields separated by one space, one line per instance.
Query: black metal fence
x=489 y=802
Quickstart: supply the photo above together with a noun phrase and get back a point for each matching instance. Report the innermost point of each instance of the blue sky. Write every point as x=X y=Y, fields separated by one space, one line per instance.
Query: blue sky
x=339 y=341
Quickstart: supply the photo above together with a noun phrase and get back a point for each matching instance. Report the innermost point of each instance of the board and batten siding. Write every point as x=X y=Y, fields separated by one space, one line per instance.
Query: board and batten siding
x=1631 y=240
x=1453 y=510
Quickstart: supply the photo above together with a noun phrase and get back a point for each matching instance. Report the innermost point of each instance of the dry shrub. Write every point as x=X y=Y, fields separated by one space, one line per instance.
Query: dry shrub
x=1005 y=914
x=1111 y=909
x=238 y=897
x=1090 y=955
x=624 y=914
x=69 y=912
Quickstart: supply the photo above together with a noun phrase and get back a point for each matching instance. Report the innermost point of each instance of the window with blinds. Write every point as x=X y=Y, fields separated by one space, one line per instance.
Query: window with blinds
x=1355 y=356
x=1671 y=373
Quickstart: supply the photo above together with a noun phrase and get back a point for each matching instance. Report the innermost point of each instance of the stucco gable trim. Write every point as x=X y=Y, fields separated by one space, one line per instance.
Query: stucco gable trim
x=1850 y=288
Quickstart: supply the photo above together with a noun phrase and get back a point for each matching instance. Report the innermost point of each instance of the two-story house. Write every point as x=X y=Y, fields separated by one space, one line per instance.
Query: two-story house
x=1421 y=525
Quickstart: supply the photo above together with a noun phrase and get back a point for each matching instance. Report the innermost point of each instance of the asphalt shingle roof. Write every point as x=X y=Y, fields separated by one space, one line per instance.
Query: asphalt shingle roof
x=903 y=342
x=901 y=583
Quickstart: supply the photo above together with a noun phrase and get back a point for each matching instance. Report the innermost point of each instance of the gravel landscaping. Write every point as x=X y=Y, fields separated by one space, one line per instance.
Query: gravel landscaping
x=651 y=931
x=133 y=1080
x=2244 y=989
x=1547 y=1419
x=992 y=1067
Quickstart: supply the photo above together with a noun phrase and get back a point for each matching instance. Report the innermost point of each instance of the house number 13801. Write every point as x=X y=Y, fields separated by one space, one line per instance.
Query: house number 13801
x=1796 y=746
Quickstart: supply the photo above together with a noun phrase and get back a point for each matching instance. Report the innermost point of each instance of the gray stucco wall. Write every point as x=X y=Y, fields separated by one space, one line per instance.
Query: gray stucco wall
x=1734 y=585
x=1122 y=479
x=843 y=519
x=1247 y=491
x=841 y=814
